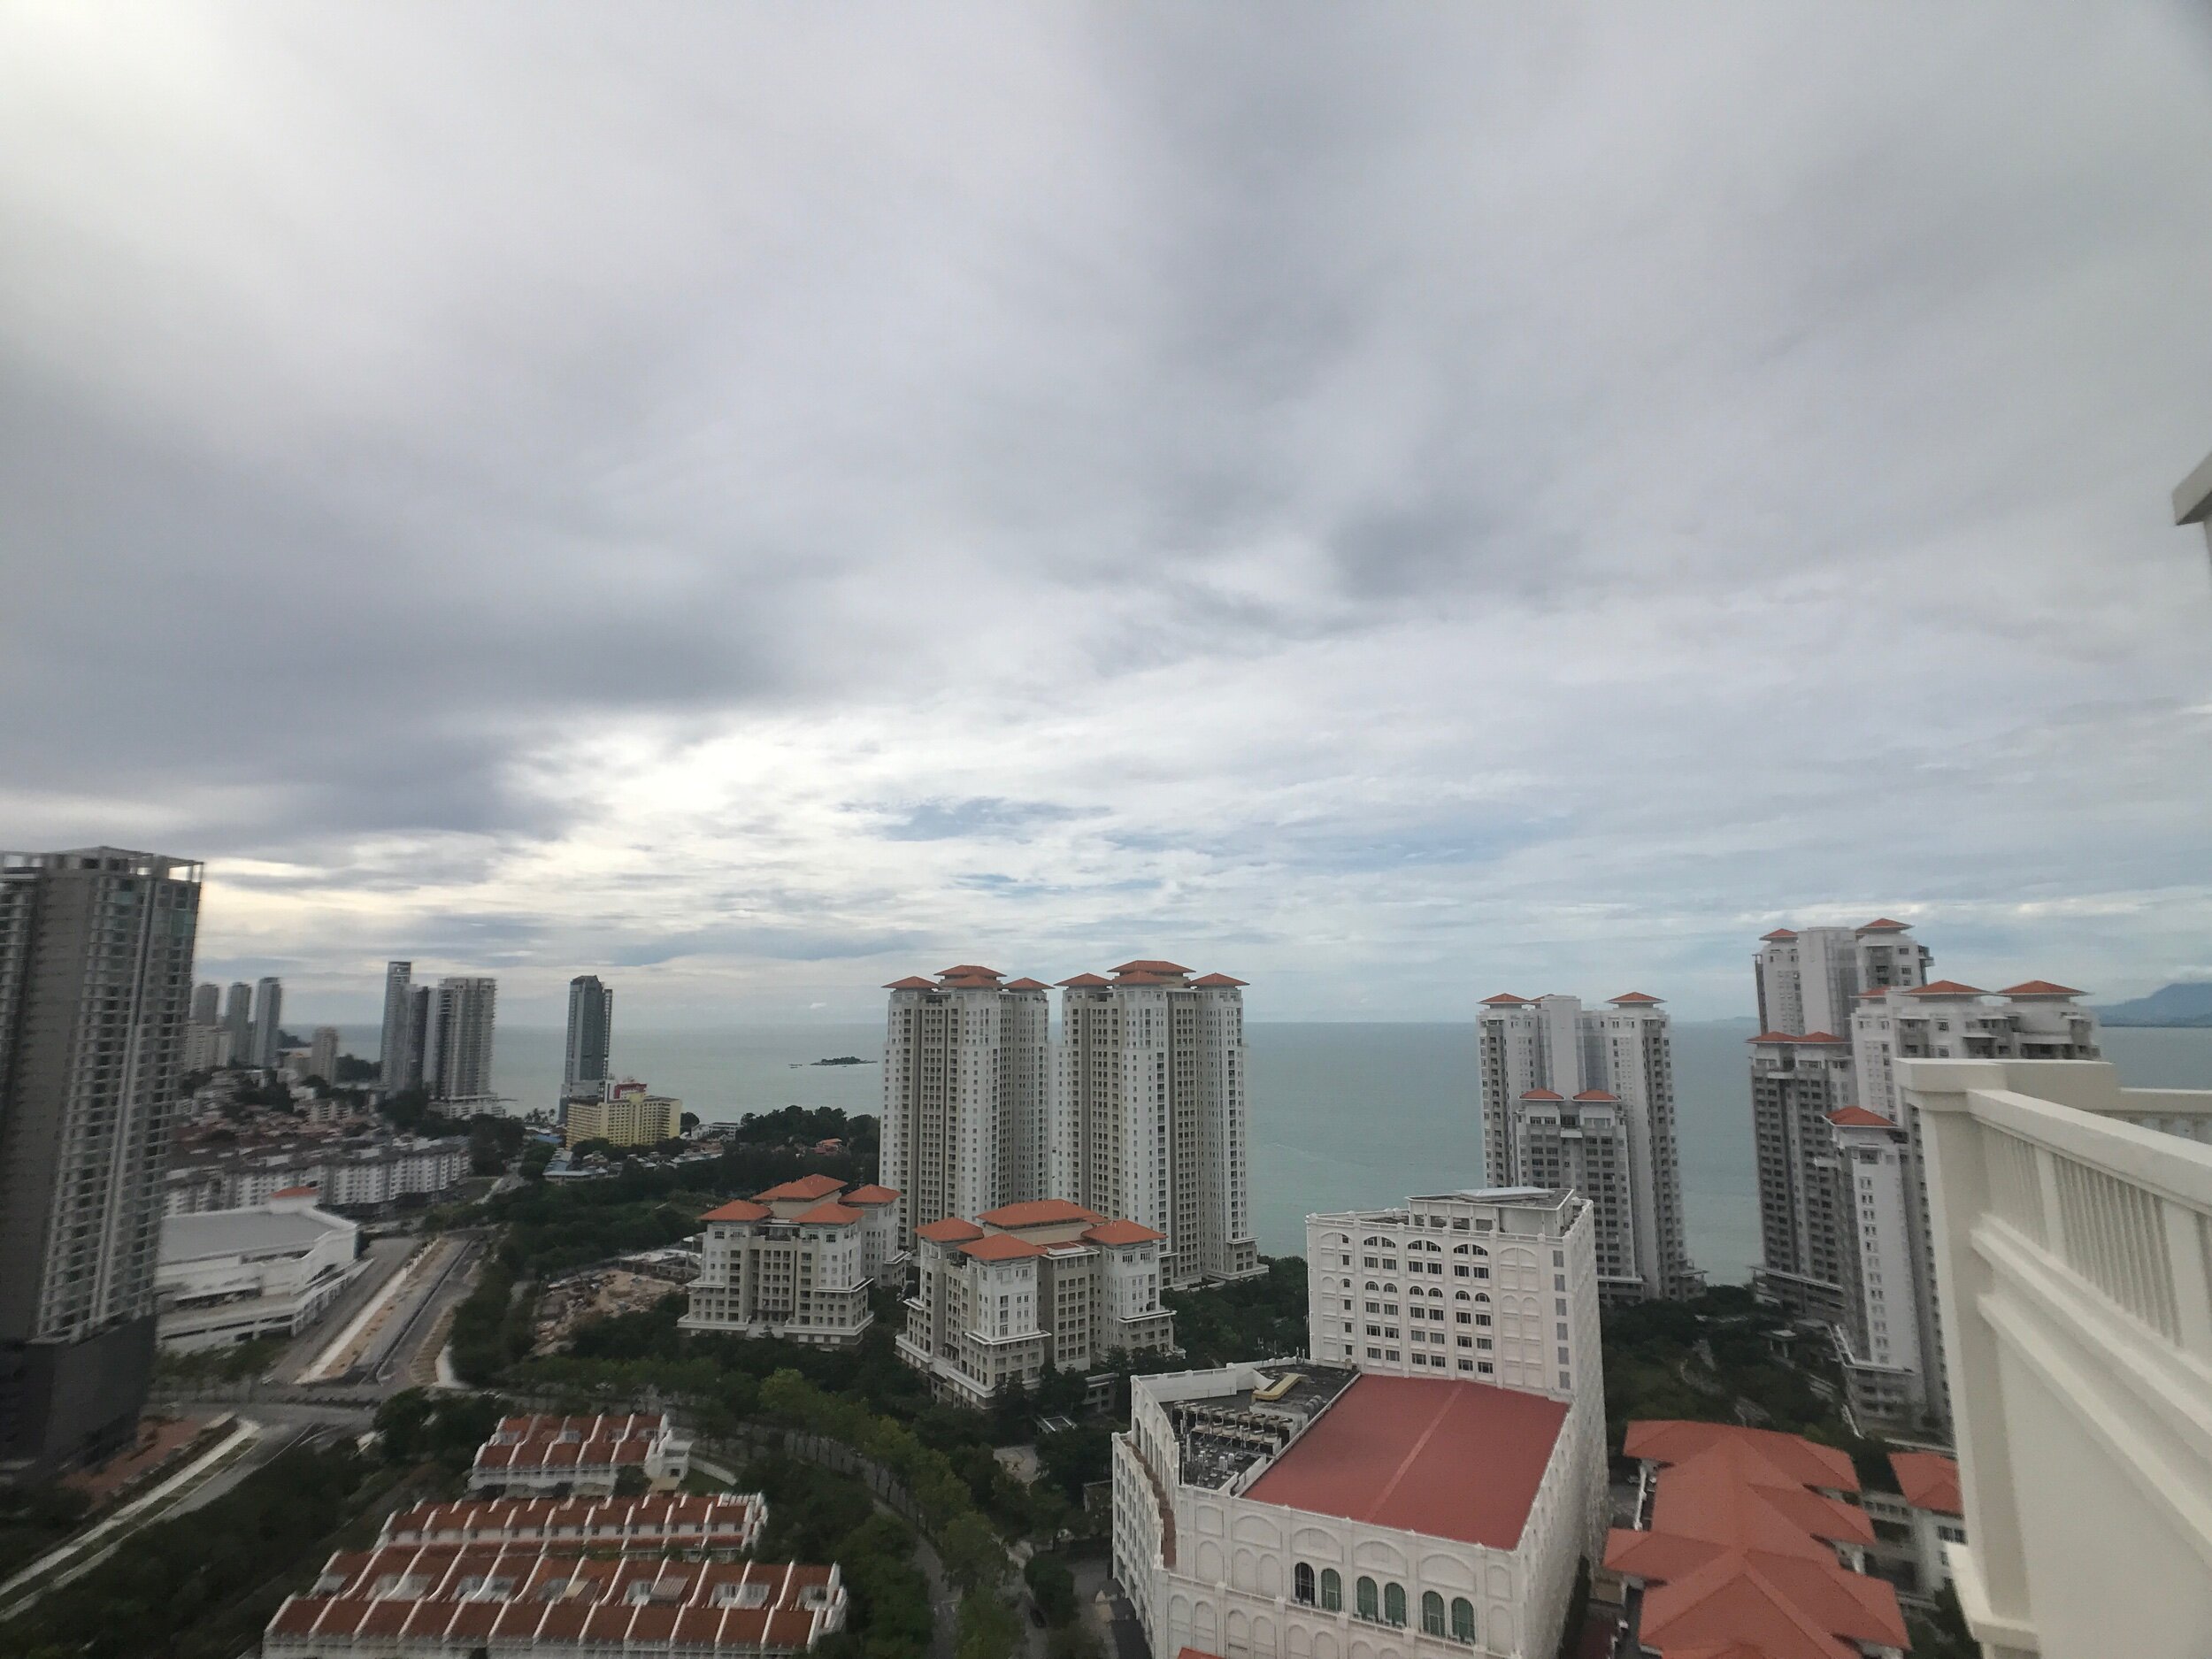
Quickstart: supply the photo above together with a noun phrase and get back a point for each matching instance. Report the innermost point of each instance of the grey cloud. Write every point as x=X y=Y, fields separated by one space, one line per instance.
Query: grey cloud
x=978 y=818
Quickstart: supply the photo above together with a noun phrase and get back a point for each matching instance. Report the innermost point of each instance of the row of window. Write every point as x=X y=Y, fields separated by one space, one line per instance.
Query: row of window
x=1383 y=1606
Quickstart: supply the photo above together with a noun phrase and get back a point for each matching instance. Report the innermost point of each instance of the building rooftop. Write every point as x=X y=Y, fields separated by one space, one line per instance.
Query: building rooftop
x=219 y=1233
x=871 y=1193
x=830 y=1214
x=723 y=1519
x=1884 y=925
x=950 y=1230
x=1740 y=1556
x=805 y=1186
x=1001 y=1246
x=1859 y=1117
x=1121 y=1232
x=1458 y=1460
x=466 y=1595
x=738 y=1209
x=2041 y=987
x=1037 y=1212
x=1946 y=987
x=1928 y=1480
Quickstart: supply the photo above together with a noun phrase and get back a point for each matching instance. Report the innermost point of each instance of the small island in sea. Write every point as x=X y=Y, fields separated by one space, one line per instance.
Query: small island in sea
x=845 y=1059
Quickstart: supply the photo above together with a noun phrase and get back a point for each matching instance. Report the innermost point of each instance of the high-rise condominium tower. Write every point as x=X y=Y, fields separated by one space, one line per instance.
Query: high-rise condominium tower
x=1846 y=1230
x=1584 y=1100
x=268 y=1021
x=457 y=1046
x=322 y=1054
x=207 y=1004
x=1152 y=1119
x=238 y=1020
x=95 y=972
x=590 y=1033
x=966 y=1093
x=393 y=1059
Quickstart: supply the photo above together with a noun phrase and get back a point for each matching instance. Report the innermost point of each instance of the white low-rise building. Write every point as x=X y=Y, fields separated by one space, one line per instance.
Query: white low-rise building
x=798 y=1262
x=1293 y=1510
x=2073 y=1246
x=347 y=1175
x=233 y=1276
x=1027 y=1286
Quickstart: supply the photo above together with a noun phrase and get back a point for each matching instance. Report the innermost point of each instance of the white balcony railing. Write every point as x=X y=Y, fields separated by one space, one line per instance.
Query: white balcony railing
x=2073 y=1251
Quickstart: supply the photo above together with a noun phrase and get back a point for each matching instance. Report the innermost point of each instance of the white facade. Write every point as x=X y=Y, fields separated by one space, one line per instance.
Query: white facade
x=798 y=1262
x=457 y=1043
x=579 y=1456
x=1210 y=1560
x=1547 y=1063
x=231 y=1275
x=1151 y=1120
x=1028 y=1285
x=1837 y=1247
x=1497 y=1286
x=967 y=1081
x=2074 y=1246
x=322 y=1054
x=344 y=1174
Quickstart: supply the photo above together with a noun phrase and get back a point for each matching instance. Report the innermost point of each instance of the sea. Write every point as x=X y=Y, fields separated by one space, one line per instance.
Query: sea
x=1342 y=1115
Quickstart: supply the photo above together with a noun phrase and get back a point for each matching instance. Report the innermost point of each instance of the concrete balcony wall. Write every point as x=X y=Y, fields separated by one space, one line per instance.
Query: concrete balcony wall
x=2073 y=1223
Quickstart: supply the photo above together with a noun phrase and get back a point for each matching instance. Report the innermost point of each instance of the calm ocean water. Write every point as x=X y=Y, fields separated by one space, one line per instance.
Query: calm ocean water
x=1342 y=1114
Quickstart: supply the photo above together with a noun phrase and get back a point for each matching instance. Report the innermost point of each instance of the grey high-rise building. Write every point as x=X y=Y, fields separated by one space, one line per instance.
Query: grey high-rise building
x=590 y=1035
x=96 y=980
x=392 y=1057
x=322 y=1054
x=238 y=1020
x=268 y=1021
x=457 y=1042
x=207 y=1004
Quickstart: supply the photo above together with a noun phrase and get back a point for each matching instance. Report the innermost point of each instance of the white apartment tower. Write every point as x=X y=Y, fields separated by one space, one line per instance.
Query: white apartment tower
x=1152 y=1119
x=1584 y=1099
x=1847 y=1233
x=457 y=1047
x=967 y=1079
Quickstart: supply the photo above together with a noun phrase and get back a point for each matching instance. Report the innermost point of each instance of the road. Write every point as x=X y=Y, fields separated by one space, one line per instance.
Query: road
x=386 y=1257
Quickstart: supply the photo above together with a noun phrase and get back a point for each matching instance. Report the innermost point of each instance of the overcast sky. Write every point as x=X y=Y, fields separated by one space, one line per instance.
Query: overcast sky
x=1393 y=502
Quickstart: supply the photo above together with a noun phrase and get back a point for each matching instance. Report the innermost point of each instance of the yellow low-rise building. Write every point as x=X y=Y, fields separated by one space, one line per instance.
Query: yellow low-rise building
x=629 y=1116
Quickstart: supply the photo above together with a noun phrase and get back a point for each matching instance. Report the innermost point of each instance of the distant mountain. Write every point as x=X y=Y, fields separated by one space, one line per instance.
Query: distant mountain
x=2188 y=1003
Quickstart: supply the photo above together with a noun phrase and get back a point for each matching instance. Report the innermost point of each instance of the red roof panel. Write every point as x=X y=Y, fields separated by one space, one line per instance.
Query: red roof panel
x=1928 y=1480
x=1457 y=1460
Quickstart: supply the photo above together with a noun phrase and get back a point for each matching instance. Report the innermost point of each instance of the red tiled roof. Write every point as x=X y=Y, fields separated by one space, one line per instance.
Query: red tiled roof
x=869 y=1195
x=1036 y=1213
x=2040 y=988
x=1740 y=1556
x=1504 y=999
x=830 y=1214
x=1152 y=967
x=951 y=1230
x=1593 y=1094
x=1457 y=1460
x=1883 y=925
x=1634 y=996
x=1212 y=981
x=738 y=1209
x=1822 y=1036
x=912 y=982
x=805 y=1186
x=1001 y=1246
x=1779 y=933
x=1928 y=1480
x=1084 y=981
x=1027 y=985
x=295 y=1192
x=1121 y=1232
x=1859 y=1117
x=1541 y=1093
x=1946 y=987
x=971 y=971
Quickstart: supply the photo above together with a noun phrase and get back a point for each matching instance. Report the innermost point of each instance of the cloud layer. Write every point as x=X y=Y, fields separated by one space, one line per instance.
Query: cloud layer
x=1396 y=505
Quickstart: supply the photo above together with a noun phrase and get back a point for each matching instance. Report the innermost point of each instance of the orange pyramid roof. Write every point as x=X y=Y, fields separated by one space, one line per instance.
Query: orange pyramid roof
x=805 y=1186
x=2041 y=987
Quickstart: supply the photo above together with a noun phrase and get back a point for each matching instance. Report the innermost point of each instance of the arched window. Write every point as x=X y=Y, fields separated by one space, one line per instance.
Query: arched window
x=1463 y=1619
x=1460 y=1250
x=1302 y=1583
x=1366 y=1604
x=1431 y=1613
x=1459 y=1295
x=1373 y=1285
x=1331 y=1591
x=1394 y=1604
